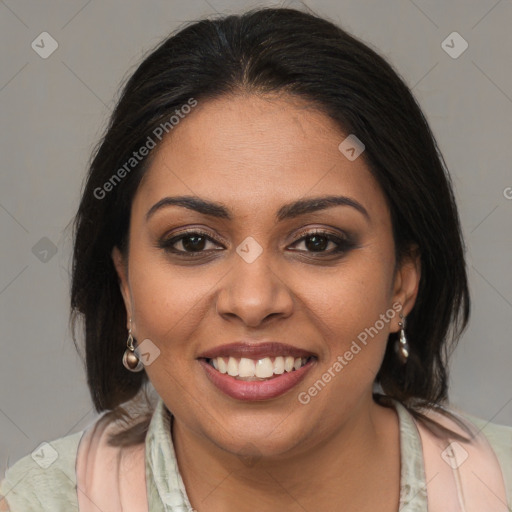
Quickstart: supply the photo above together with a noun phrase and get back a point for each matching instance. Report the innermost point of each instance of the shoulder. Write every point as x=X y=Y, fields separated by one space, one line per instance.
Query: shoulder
x=485 y=453
x=498 y=435
x=45 y=479
x=500 y=439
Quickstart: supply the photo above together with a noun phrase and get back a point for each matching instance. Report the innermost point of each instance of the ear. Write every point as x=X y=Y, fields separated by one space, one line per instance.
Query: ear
x=122 y=272
x=406 y=283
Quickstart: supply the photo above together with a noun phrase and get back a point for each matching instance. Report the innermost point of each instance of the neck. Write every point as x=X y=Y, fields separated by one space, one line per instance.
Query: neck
x=343 y=467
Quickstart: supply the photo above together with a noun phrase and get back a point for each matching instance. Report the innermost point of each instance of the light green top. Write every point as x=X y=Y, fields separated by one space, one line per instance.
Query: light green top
x=28 y=487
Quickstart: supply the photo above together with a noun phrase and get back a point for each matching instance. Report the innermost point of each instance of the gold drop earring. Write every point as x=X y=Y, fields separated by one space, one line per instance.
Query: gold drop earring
x=402 y=345
x=130 y=360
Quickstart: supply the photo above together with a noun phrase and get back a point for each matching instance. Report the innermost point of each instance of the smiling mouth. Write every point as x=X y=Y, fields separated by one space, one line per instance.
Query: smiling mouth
x=267 y=368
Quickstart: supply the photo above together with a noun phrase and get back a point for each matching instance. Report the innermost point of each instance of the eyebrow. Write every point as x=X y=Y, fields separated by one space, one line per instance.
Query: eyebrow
x=287 y=211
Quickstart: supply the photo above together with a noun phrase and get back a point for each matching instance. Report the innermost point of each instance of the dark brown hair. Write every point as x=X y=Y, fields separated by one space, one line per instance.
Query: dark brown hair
x=278 y=50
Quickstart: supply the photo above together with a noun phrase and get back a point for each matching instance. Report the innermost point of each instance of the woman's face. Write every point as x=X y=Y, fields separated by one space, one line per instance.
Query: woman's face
x=267 y=262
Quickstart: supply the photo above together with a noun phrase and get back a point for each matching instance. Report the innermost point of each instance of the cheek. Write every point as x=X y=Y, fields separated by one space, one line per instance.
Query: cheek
x=167 y=304
x=356 y=311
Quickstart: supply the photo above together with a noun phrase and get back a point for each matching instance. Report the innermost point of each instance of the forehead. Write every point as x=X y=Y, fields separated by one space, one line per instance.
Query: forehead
x=251 y=152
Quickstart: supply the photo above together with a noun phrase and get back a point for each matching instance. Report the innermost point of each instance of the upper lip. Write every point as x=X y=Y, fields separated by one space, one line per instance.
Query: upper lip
x=255 y=350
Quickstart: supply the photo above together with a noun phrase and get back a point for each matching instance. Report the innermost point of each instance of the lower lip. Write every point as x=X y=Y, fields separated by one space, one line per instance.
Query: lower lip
x=256 y=390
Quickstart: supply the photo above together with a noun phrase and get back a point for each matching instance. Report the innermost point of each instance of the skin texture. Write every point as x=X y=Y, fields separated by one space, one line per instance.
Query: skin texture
x=254 y=153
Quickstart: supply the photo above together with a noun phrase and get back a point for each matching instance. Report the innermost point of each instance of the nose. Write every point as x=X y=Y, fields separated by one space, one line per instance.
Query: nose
x=254 y=292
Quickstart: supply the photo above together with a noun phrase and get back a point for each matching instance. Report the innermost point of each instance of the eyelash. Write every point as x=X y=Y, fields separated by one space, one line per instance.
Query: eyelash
x=343 y=244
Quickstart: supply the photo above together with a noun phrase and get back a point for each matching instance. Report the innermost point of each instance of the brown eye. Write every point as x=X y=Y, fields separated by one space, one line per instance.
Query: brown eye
x=188 y=243
x=316 y=243
x=323 y=242
x=193 y=243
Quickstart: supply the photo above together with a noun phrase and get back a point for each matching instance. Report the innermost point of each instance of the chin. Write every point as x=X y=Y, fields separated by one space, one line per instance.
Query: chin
x=259 y=434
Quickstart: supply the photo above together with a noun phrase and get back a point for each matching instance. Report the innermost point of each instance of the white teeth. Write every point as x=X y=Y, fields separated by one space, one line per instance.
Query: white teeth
x=262 y=368
x=232 y=367
x=246 y=368
x=223 y=367
x=279 y=365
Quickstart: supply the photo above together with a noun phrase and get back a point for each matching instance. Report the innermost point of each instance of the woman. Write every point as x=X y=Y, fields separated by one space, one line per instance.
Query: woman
x=268 y=253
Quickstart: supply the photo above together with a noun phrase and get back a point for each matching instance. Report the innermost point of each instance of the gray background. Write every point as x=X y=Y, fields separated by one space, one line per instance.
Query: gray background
x=54 y=110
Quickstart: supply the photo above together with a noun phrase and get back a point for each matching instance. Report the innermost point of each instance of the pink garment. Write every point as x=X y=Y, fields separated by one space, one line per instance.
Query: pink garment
x=110 y=478
x=460 y=477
